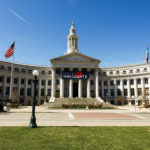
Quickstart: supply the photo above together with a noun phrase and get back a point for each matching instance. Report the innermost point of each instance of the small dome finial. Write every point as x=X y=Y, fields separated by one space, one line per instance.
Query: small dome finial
x=72 y=23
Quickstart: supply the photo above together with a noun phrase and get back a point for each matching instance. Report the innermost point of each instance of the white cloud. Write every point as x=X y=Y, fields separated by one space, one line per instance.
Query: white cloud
x=18 y=16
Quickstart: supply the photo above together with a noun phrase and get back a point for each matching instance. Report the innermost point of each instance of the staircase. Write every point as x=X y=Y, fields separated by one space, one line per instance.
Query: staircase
x=59 y=101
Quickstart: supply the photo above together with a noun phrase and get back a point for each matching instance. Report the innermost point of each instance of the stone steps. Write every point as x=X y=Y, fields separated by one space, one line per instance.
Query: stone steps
x=59 y=101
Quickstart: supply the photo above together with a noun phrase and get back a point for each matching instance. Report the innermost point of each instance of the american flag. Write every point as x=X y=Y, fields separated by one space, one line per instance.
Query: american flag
x=10 y=51
x=147 y=56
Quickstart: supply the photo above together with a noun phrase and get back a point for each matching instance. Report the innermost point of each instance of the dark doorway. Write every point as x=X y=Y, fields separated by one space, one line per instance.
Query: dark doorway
x=75 y=89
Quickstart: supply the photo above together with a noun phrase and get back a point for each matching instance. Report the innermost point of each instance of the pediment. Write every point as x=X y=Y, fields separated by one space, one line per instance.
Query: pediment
x=75 y=57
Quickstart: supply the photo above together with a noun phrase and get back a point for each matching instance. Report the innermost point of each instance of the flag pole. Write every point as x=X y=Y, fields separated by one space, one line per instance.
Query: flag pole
x=11 y=78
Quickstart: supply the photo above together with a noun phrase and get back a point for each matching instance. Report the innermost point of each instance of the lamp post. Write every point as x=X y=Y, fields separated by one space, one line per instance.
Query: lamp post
x=33 y=118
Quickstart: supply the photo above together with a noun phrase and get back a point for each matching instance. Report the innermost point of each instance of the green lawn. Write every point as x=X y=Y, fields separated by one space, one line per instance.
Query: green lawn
x=75 y=138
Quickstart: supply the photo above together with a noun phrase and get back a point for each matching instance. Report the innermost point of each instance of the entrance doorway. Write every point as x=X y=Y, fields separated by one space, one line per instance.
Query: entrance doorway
x=75 y=89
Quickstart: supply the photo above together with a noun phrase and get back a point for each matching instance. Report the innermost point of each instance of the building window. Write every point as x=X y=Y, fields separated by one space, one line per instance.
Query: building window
x=8 y=80
x=111 y=73
x=147 y=91
x=30 y=71
x=43 y=82
x=100 y=83
x=105 y=83
x=49 y=92
x=131 y=71
x=118 y=92
x=29 y=82
x=145 y=69
x=104 y=73
x=58 y=72
x=1 y=90
x=146 y=80
x=49 y=82
x=99 y=73
x=100 y=92
x=22 y=81
x=9 y=68
x=117 y=72
x=125 y=92
x=124 y=72
x=57 y=81
x=23 y=70
x=139 y=91
x=16 y=70
x=132 y=92
x=42 y=92
x=105 y=92
x=118 y=82
x=91 y=82
x=29 y=92
x=7 y=91
x=1 y=79
x=15 y=80
x=43 y=72
x=112 y=92
x=138 y=70
x=22 y=91
x=91 y=71
x=131 y=81
x=112 y=83
x=49 y=72
x=124 y=82
x=138 y=81
x=2 y=68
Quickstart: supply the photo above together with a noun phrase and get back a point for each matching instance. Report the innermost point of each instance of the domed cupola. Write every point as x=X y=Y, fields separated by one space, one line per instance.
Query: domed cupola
x=72 y=40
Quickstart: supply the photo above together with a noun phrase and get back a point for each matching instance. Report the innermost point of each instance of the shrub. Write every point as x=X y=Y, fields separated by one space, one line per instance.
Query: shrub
x=146 y=106
x=14 y=105
x=80 y=106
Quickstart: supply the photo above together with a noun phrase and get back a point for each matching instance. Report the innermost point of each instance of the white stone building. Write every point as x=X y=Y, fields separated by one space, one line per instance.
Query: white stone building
x=77 y=75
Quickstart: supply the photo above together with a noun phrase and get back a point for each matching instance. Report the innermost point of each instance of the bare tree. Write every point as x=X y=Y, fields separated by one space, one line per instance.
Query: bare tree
x=15 y=96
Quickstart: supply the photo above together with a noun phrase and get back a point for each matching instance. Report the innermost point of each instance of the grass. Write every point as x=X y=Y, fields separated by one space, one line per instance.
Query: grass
x=75 y=138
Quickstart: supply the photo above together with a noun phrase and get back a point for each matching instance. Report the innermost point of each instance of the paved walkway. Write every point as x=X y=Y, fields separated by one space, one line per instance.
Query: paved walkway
x=123 y=116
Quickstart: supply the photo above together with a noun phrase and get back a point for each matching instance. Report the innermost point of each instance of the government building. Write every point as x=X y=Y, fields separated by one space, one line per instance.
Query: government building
x=76 y=75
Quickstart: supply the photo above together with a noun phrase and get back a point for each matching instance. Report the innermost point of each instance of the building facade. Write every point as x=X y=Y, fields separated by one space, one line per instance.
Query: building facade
x=76 y=75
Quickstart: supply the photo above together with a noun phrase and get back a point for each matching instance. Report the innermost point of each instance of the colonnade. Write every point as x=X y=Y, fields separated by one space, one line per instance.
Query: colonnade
x=53 y=90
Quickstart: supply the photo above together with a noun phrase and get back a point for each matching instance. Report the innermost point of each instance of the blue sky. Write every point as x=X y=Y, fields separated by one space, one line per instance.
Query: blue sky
x=114 y=31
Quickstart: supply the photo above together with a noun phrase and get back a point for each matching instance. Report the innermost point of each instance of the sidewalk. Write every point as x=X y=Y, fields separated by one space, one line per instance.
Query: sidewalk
x=123 y=116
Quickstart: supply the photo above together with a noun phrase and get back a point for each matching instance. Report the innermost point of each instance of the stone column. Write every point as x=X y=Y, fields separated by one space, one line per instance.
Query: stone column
x=96 y=83
x=4 y=85
x=61 y=86
x=142 y=86
x=149 y=89
x=53 y=90
x=45 y=88
x=115 y=88
x=129 y=91
x=88 y=86
x=80 y=87
x=70 y=88
x=135 y=88
x=32 y=88
x=102 y=88
x=39 y=88
x=122 y=91
x=19 y=80
x=25 y=87
x=129 y=88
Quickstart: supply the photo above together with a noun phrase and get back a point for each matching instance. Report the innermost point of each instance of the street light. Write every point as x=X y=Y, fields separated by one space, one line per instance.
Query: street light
x=33 y=118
